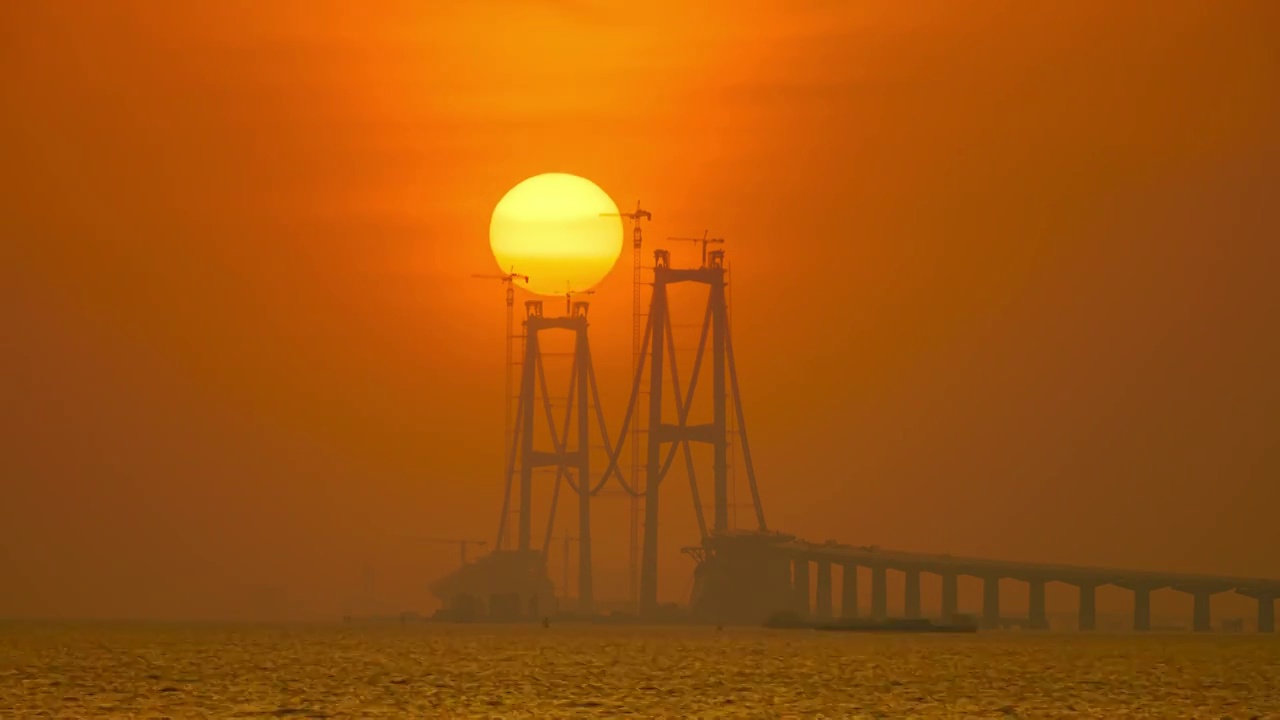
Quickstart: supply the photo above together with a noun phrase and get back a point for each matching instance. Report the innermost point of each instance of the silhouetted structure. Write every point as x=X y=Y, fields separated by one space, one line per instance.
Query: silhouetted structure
x=508 y=281
x=724 y=379
x=528 y=457
x=748 y=576
x=637 y=241
x=525 y=457
x=764 y=573
x=503 y=585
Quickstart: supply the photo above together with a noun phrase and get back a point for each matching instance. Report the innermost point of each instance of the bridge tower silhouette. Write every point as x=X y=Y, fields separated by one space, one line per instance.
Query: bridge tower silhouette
x=742 y=575
x=670 y=432
x=568 y=459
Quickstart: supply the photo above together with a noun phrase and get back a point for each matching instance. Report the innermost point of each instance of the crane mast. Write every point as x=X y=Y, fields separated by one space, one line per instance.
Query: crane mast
x=508 y=280
x=637 y=332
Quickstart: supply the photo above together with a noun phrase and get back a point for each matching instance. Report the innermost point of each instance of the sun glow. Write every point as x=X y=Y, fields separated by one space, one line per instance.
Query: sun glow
x=553 y=228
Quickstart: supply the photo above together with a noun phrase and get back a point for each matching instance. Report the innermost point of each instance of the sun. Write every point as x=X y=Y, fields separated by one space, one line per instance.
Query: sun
x=556 y=229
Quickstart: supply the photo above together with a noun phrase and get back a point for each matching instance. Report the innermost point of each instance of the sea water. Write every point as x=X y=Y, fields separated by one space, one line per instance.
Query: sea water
x=442 y=671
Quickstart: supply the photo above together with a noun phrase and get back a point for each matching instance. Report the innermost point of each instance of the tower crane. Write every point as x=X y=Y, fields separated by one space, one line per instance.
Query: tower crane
x=508 y=280
x=462 y=544
x=635 y=218
x=568 y=299
x=705 y=242
x=636 y=332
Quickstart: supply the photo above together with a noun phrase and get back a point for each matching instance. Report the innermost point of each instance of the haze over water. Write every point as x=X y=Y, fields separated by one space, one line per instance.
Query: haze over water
x=1003 y=280
x=349 y=671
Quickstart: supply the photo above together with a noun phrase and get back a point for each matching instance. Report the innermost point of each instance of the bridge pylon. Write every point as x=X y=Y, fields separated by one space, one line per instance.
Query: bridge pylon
x=666 y=437
x=568 y=459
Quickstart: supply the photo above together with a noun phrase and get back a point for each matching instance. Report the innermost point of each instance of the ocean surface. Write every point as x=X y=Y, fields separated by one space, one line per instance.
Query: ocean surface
x=438 y=671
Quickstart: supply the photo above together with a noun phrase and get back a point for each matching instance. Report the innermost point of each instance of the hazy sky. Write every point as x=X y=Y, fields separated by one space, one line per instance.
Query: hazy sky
x=1004 y=279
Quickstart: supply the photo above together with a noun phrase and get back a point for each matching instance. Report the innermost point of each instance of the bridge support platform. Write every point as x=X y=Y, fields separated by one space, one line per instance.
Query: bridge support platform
x=741 y=579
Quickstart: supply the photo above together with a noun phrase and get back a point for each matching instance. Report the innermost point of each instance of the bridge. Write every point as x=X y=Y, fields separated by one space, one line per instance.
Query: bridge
x=741 y=576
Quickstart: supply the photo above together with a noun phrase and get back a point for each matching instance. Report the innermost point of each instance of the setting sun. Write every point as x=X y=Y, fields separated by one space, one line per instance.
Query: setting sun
x=555 y=229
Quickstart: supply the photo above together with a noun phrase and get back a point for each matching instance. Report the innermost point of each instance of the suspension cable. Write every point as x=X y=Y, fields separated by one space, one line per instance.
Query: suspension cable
x=561 y=470
x=511 y=468
x=682 y=410
x=742 y=430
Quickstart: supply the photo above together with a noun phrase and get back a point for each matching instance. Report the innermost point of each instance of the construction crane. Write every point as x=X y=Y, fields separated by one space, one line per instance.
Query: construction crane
x=705 y=242
x=568 y=298
x=635 y=218
x=462 y=544
x=508 y=279
x=636 y=332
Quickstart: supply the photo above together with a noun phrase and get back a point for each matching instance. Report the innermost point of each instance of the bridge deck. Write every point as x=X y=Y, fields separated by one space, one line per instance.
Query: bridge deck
x=984 y=567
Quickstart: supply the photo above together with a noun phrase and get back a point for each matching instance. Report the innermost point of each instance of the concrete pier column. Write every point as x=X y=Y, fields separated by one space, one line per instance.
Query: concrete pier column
x=950 y=596
x=1088 y=607
x=879 y=593
x=1266 y=613
x=849 y=592
x=991 y=602
x=822 y=604
x=1037 y=619
x=1141 y=609
x=800 y=585
x=1200 y=616
x=911 y=603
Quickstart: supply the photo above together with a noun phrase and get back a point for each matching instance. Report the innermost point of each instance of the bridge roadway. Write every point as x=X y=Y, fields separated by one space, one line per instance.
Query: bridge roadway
x=1141 y=583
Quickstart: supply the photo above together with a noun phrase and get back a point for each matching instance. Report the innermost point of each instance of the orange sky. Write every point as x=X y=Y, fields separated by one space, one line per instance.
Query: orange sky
x=1004 y=278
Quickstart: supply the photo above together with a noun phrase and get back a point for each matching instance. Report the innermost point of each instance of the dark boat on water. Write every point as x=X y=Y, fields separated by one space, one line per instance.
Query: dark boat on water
x=791 y=621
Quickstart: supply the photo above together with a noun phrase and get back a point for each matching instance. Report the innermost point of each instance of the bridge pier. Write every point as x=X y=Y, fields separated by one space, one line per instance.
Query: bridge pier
x=1088 y=606
x=991 y=602
x=785 y=582
x=1201 y=593
x=1037 y=619
x=800 y=584
x=911 y=602
x=849 y=591
x=1266 y=607
x=822 y=604
x=950 y=596
x=1200 y=620
x=1142 y=609
x=879 y=593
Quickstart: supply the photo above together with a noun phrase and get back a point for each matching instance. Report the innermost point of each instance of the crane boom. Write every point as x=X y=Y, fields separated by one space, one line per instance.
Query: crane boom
x=509 y=277
x=568 y=299
x=704 y=240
